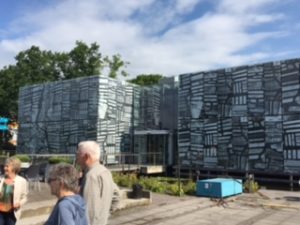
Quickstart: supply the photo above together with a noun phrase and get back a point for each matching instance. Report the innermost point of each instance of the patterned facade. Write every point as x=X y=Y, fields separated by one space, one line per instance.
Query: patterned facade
x=244 y=118
x=54 y=117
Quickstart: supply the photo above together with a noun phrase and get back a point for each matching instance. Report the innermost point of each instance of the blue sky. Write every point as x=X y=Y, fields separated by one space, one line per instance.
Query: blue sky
x=169 y=37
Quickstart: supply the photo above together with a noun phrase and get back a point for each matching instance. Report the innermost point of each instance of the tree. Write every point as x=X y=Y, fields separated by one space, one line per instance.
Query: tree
x=8 y=92
x=34 y=66
x=146 y=79
x=115 y=64
x=87 y=61
x=81 y=61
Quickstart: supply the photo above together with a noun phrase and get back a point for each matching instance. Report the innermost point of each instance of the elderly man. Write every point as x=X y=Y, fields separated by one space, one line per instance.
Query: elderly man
x=97 y=184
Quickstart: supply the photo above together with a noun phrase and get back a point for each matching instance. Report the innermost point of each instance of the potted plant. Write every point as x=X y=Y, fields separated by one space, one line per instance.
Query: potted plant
x=25 y=160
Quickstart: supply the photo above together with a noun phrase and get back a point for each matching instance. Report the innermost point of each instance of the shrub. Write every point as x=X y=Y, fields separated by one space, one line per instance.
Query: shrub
x=147 y=183
x=156 y=184
x=189 y=188
x=250 y=186
x=23 y=158
x=125 y=180
x=173 y=189
x=60 y=159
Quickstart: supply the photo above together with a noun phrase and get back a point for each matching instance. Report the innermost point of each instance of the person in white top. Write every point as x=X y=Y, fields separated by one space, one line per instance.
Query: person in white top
x=13 y=192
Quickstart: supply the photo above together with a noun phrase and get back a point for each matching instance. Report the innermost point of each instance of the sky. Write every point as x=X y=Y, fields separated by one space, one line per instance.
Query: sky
x=167 y=37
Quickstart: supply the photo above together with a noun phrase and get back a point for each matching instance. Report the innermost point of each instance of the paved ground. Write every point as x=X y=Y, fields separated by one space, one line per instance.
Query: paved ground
x=37 y=195
x=268 y=207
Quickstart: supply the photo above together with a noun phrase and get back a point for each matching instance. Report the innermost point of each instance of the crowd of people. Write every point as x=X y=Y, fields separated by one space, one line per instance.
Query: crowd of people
x=84 y=199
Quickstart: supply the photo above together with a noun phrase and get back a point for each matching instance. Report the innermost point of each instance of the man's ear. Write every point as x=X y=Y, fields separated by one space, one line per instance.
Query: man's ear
x=86 y=156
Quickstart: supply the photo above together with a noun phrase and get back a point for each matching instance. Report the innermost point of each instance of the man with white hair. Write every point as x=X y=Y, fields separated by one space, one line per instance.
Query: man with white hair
x=97 y=184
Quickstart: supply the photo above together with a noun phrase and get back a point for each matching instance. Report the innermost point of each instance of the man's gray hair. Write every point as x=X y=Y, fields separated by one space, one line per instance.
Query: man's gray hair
x=66 y=174
x=91 y=148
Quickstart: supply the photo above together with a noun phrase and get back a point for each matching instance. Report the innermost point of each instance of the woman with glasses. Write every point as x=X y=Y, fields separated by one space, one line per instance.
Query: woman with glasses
x=70 y=208
x=13 y=192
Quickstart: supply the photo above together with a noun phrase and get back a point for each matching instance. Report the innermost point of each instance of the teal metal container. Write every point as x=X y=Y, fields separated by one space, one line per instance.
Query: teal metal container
x=3 y=123
x=219 y=187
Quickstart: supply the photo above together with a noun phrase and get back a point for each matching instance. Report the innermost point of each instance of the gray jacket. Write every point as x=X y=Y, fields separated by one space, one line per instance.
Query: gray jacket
x=97 y=191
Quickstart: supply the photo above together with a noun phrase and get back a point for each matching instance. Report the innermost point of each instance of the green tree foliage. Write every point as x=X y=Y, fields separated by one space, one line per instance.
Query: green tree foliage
x=81 y=61
x=8 y=92
x=34 y=66
x=146 y=79
x=115 y=64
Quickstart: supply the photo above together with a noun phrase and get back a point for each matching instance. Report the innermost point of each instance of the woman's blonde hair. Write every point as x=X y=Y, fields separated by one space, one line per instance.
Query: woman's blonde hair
x=15 y=164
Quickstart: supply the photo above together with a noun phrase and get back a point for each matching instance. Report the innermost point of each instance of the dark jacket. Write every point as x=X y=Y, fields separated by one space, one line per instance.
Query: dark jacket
x=70 y=210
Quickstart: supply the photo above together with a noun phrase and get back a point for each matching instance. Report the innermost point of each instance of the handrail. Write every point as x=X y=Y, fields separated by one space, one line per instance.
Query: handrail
x=132 y=160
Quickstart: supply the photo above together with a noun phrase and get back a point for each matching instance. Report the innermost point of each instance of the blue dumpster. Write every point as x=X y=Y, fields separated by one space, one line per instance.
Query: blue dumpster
x=219 y=187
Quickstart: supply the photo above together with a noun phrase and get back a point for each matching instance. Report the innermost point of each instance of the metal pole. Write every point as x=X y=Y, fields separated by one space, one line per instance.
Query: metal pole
x=132 y=123
x=164 y=154
x=179 y=179
x=291 y=182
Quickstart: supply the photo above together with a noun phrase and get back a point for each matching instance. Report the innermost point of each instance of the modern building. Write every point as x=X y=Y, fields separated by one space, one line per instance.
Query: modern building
x=244 y=118
x=122 y=117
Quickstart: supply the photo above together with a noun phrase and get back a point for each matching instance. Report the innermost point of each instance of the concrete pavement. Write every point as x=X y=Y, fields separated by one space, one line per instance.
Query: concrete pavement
x=40 y=204
x=268 y=207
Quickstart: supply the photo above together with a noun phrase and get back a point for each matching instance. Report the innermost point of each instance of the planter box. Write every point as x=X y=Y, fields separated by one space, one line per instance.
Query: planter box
x=25 y=165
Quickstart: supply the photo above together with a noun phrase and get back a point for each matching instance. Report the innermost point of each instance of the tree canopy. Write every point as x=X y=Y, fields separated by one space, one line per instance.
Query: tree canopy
x=146 y=79
x=35 y=66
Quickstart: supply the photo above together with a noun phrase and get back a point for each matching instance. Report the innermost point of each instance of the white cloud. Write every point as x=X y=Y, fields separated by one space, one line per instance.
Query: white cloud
x=263 y=18
x=183 y=6
x=131 y=29
x=241 y=7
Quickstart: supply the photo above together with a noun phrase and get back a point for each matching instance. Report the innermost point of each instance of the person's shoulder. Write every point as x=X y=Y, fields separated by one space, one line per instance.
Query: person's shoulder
x=102 y=170
x=97 y=169
x=66 y=202
x=64 y=206
x=72 y=203
x=20 y=178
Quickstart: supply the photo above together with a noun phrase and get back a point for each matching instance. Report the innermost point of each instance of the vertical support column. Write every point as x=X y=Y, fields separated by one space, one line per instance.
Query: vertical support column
x=291 y=182
x=170 y=149
x=190 y=172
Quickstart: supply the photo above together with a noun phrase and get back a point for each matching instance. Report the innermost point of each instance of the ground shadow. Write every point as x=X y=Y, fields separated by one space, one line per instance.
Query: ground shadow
x=292 y=198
